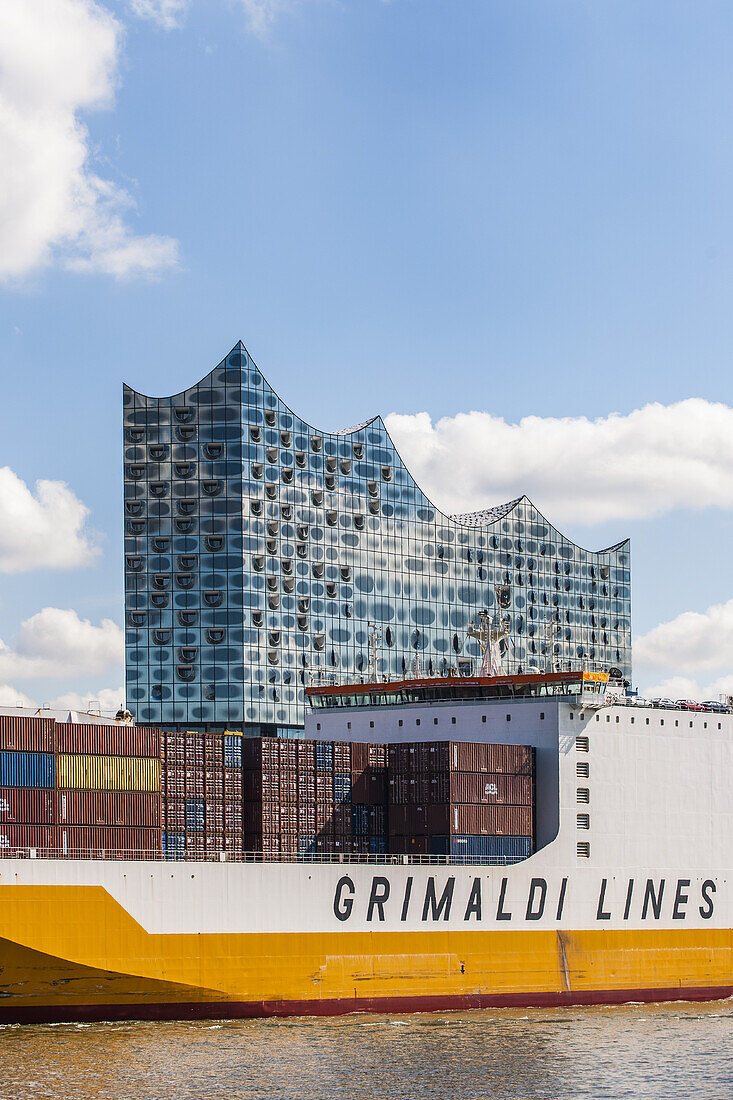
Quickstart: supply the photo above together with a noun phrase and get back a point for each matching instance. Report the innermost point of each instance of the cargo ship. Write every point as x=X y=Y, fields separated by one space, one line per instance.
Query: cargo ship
x=618 y=890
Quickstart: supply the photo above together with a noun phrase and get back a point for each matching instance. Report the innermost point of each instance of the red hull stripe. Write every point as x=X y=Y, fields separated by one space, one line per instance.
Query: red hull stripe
x=232 y=1010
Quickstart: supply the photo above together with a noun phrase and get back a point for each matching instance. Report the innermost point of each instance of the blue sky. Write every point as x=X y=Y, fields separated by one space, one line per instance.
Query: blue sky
x=417 y=206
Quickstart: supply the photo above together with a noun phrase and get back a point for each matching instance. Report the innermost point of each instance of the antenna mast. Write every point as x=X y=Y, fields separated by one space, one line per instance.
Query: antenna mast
x=490 y=633
x=375 y=641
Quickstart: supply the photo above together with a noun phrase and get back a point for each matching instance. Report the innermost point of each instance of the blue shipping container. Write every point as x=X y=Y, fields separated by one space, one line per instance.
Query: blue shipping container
x=377 y=845
x=174 y=842
x=232 y=751
x=439 y=845
x=324 y=756
x=359 y=819
x=195 y=814
x=174 y=845
x=27 y=769
x=500 y=848
x=342 y=788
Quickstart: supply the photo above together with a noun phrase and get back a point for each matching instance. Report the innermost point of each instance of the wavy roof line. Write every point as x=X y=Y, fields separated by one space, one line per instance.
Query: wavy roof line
x=483 y=517
x=486 y=515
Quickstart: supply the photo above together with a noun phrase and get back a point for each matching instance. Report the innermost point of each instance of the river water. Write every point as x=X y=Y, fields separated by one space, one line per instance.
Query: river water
x=657 y=1052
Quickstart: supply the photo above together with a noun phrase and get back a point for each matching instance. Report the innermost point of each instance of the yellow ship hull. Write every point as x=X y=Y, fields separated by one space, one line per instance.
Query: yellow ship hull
x=74 y=953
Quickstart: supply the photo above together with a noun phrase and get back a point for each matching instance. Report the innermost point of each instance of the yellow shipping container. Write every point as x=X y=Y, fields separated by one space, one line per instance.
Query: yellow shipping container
x=107 y=773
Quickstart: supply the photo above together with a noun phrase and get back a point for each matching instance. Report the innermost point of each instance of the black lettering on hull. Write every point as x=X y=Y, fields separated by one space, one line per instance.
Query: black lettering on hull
x=601 y=913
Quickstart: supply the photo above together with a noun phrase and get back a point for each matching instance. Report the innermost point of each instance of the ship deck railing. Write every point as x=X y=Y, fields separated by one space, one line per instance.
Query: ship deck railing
x=380 y=859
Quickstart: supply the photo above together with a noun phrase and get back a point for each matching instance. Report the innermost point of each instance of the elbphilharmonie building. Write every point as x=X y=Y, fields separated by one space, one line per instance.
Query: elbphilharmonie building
x=262 y=553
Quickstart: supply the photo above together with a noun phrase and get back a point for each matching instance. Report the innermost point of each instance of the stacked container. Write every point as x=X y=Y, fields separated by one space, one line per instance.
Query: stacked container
x=202 y=794
x=462 y=799
x=107 y=799
x=78 y=789
x=369 y=798
x=314 y=797
x=27 y=781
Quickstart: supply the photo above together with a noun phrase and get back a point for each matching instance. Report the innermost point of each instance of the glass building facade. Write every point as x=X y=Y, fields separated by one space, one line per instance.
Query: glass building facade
x=262 y=554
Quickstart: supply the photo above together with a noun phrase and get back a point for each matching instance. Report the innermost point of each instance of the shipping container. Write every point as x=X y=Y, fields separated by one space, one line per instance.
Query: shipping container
x=27 y=769
x=359 y=758
x=232 y=750
x=86 y=738
x=93 y=842
x=477 y=787
x=306 y=755
x=409 y=845
x=460 y=756
x=108 y=773
x=490 y=820
x=21 y=734
x=360 y=819
x=174 y=845
x=342 y=788
x=500 y=848
x=26 y=806
x=13 y=837
x=195 y=814
x=462 y=820
x=130 y=808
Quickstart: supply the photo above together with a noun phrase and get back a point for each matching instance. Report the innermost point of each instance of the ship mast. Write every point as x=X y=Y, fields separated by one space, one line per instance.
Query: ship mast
x=490 y=633
x=375 y=641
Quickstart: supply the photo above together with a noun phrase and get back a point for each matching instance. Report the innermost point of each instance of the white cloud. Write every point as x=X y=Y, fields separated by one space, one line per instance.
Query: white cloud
x=261 y=13
x=694 y=640
x=58 y=59
x=169 y=14
x=674 y=687
x=42 y=530
x=108 y=700
x=11 y=697
x=700 y=643
x=575 y=470
x=57 y=644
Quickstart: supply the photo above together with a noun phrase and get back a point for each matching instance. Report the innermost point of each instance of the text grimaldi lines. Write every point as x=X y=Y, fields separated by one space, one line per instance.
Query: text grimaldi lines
x=443 y=898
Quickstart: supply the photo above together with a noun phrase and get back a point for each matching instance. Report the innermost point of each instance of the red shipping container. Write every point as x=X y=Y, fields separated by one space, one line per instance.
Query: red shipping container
x=306 y=754
x=378 y=756
x=27 y=734
x=288 y=753
x=128 y=808
x=486 y=787
x=487 y=821
x=324 y=788
x=41 y=837
x=477 y=757
x=27 y=806
x=76 y=738
x=91 y=842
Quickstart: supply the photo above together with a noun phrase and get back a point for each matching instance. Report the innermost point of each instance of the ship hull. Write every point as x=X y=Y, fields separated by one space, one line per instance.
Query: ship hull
x=73 y=951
